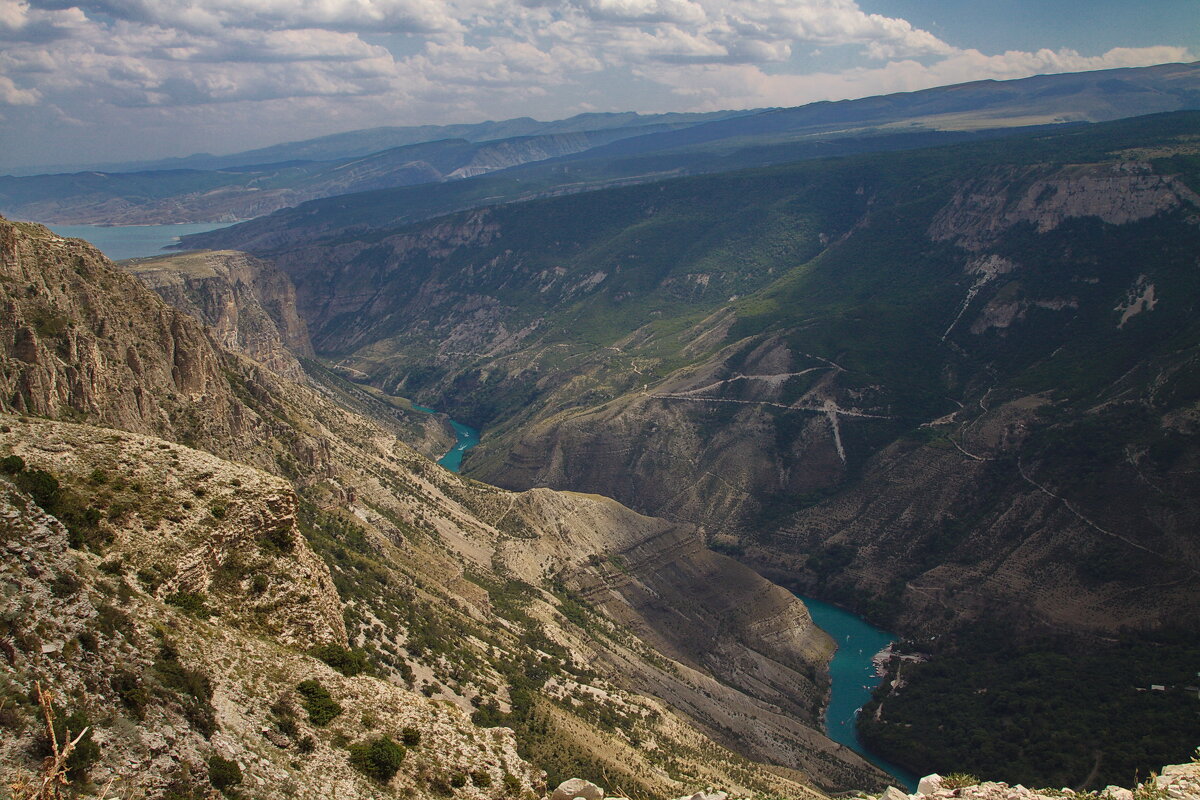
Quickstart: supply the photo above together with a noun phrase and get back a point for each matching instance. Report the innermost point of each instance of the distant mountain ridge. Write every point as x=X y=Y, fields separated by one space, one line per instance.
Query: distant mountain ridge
x=351 y=144
x=904 y=121
x=586 y=151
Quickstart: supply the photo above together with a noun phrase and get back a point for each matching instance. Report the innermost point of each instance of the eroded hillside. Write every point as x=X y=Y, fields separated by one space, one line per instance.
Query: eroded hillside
x=448 y=606
x=952 y=389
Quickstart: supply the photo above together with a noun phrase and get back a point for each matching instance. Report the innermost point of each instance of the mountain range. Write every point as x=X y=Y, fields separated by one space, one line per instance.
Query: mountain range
x=931 y=357
x=944 y=387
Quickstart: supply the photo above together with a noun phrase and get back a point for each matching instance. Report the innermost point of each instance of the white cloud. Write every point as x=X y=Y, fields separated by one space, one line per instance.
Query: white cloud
x=10 y=95
x=241 y=69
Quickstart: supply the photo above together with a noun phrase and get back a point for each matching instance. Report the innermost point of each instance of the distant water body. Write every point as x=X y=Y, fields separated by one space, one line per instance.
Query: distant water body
x=853 y=678
x=467 y=437
x=134 y=241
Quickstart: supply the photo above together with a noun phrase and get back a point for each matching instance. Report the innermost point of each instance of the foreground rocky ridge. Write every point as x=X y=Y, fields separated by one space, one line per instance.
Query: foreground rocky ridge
x=514 y=608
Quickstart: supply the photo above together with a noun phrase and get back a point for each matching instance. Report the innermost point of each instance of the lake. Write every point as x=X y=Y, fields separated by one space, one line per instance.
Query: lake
x=134 y=241
x=853 y=678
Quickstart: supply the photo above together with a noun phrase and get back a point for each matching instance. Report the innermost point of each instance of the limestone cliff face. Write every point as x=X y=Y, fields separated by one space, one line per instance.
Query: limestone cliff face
x=249 y=306
x=79 y=338
x=1117 y=193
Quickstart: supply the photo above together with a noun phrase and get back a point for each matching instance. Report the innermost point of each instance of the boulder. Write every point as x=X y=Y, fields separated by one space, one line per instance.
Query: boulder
x=929 y=784
x=577 y=787
x=892 y=793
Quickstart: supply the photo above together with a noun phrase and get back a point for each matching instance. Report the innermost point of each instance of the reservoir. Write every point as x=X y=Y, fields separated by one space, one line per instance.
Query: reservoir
x=133 y=241
x=853 y=678
x=467 y=437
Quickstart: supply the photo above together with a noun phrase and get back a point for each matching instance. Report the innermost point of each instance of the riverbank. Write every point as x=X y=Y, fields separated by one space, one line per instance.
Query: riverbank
x=854 y=673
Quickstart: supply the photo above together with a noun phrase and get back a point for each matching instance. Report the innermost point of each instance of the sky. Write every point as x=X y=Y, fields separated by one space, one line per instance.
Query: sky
x=89 y=81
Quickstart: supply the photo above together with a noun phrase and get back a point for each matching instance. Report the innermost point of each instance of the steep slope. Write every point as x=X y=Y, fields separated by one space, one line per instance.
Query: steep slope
x=607 y=357
x=249 y=306
x=517 y=608
x=951 y=389
x=163 y=645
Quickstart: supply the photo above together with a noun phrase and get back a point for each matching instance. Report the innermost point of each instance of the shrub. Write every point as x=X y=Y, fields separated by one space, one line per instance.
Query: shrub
x=277 y=540
x=958 y=780
x=83 y=755
x=379 y=758
x=411 y=737
x=11 y=465
x=481 y=779
x=317 y=701
x=191 y=602
x=223 y=773
x=40 y=485
x=458 y=780
x=193 y=690
x=347 y=662
x=131 y=692
x=259 y=583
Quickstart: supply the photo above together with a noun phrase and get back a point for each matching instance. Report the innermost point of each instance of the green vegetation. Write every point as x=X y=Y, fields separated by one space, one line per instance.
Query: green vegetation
x=189 y=689
x=317 y=701
x=66 y=728
x=1042 y=714
x=191 y=602
x=347 y=662
x=379 y=758
x=81 y=520
x=223 y=773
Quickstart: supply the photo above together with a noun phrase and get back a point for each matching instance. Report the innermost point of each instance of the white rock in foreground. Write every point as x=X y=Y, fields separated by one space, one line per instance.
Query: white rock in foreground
x=575 y=788
x=929 y=784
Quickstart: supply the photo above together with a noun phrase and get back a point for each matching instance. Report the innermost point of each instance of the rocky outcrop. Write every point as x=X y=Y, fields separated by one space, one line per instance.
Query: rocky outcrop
x=249 y=306
x=79 y=338
x=1117 y=193
x=1174 y=782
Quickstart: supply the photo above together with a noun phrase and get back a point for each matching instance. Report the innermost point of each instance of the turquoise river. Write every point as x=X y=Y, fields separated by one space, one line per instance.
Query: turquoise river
x=853 y=678
x=852 y=671
x=467 y=437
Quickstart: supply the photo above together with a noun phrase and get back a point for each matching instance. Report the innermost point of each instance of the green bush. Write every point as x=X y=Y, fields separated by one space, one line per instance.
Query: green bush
x=192 y=688
x=481 y=779
x=411 y=737
x=191 y=602
x=11 y=465
x=40 y=485
x=317 y=701
x=83 y=755
x=347 y=662
x=379 y=758
x=131 y=692
x=223 y=773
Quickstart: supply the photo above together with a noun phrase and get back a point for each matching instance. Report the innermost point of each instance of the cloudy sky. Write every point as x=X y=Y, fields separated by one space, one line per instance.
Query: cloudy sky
x=93 y=80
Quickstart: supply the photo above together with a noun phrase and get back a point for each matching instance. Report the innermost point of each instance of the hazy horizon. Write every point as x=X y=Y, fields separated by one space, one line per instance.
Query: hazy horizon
x=101 y=81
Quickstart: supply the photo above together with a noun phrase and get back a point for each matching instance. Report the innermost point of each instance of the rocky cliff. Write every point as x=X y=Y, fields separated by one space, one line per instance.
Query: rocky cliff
x=454 y=608
x=249 y=306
